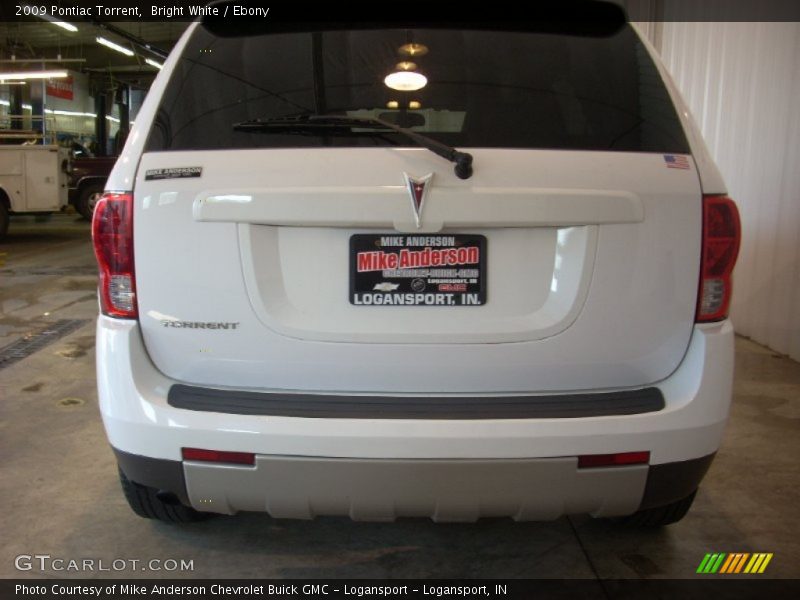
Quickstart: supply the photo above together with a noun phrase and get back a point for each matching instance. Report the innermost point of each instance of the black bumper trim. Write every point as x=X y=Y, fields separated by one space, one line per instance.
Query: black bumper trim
x=158 y=473
x=674 y=481
x=563 y=406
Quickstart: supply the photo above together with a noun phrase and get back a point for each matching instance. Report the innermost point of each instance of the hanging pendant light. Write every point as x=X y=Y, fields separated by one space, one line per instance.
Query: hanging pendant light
x=412 y=49
x=406 y=78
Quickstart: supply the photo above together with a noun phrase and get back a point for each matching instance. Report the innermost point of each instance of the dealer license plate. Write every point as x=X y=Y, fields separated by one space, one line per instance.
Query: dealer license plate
x=417 y=270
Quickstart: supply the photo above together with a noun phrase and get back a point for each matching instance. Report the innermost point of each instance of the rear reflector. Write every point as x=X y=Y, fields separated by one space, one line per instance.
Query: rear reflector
x=721 y=238
x=112 y=235
x=587 y=461
x=219 y=456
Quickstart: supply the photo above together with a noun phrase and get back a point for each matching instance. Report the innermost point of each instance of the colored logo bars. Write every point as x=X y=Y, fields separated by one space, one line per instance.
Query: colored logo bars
x=736 y=562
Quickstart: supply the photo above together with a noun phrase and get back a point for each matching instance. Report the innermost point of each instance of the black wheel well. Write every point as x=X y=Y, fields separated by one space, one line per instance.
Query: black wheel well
x=87 y=181
x=5 y=200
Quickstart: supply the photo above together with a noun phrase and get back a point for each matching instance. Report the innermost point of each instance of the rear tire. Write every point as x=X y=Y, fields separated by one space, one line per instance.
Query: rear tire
x=144 y=501
x=659 y=516
x=87 y=199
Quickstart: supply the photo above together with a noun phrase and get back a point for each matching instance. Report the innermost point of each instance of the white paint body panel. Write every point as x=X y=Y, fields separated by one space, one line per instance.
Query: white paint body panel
x=386 y=207
x=573 y=286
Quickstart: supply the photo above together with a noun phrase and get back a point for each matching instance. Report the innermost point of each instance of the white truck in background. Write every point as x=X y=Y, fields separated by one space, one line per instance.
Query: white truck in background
x=33 y=180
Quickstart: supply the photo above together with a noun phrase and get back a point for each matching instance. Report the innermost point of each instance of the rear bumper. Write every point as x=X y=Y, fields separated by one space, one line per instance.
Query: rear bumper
x=444 y=490
x=441 y=461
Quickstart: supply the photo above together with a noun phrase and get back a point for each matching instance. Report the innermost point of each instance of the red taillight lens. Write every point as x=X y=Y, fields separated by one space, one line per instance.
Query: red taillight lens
x=588 y=461
x=219 y=456
x=112 y=234
x=721 y=237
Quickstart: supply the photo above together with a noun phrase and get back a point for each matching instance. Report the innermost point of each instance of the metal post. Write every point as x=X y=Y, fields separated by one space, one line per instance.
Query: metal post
x=123 y=104
x=100 y=124
x=15 y=106
x=37 y=107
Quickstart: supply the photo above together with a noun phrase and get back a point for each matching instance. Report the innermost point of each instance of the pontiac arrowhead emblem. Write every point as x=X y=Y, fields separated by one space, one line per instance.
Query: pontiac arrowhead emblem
x=417 y=191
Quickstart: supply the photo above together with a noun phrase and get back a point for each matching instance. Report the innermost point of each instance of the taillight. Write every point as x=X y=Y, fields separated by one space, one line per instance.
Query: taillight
x=721 y=238
x=112 y=234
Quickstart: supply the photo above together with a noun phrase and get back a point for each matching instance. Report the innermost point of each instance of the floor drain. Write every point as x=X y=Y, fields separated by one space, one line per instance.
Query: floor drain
x=25 y=271
x=33 y=342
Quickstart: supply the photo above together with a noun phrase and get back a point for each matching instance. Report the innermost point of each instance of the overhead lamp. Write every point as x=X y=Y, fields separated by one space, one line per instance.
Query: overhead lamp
x=69 y=113
x=63 y=25
x=113 y=46
x=34 y=75
x=44 y=16
x=414 y=105
x=406 y=78
x=57 y=23
x=412 y=49
x=392 y=104
x=11 y=82
x=153 y=63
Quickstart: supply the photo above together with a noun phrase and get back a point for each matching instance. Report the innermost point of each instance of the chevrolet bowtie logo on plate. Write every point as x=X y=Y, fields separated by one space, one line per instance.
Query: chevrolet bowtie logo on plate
x=417 y=190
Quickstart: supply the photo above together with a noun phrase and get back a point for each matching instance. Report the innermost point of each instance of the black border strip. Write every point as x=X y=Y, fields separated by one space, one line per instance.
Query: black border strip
x=346 y=15
x=719 y=588
x=557 y=406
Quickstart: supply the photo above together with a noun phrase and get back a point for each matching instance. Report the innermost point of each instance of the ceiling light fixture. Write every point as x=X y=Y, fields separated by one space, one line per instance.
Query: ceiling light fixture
x=109 y=44
x=64 y=25
x=153 y=63
x=34 y=75
x=69 y=113
x=57 y=23
x=36 y=11
x=406 y=78
x=412 y=49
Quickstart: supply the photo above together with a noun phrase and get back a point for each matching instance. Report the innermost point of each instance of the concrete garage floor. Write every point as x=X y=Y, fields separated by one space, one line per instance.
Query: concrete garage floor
x=60 y=494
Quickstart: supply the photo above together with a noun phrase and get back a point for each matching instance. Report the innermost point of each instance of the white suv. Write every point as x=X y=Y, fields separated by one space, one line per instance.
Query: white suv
x=450 y=273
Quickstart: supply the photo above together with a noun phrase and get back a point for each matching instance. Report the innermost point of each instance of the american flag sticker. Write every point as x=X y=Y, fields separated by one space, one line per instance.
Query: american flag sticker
x=676 y=161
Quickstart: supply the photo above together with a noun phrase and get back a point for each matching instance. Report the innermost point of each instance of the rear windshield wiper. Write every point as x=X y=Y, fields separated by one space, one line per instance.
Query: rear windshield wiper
x=334 y=123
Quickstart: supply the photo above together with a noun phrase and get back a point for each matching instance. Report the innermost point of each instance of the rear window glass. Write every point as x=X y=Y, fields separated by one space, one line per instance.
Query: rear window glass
x=485 y=89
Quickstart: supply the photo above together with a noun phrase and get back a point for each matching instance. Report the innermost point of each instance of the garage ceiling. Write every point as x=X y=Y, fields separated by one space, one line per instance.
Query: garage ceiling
x=36 y=40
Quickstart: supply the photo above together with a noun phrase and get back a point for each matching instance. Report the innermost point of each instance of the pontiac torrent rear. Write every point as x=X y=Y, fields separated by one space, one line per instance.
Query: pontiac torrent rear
x=414 y=272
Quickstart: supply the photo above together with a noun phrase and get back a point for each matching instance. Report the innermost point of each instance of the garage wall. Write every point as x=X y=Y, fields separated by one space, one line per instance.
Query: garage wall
x=742 y=83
